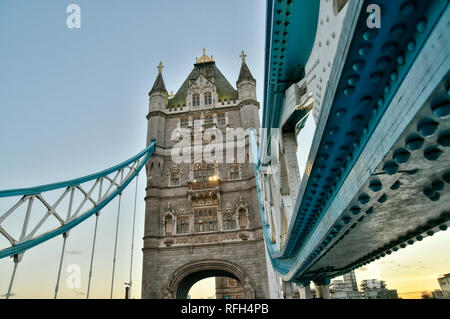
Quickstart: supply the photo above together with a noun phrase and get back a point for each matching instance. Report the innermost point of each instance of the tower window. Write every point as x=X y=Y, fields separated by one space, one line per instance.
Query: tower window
x=184 y=123
x=234 y=172
x=229 y=221
x=205 y=220
x=174 y=178
x=208 y=120
x=182 y=224
x=202 y=172
x=221 y=119
x=195 y=99
x=208 y=98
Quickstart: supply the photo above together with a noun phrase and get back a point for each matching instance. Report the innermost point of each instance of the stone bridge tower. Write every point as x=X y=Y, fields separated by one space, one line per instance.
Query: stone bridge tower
x=202 y=214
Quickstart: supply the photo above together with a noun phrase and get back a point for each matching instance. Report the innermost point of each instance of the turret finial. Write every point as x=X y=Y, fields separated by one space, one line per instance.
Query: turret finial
x=160 y=67
x=204 y=58
x=243 y=55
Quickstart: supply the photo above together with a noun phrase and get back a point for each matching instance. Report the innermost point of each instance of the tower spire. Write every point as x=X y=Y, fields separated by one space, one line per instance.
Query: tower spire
x=244 y=74
x=159 y=85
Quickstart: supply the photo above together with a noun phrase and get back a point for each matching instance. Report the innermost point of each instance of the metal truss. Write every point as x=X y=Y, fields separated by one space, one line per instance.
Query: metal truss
x=106 y=184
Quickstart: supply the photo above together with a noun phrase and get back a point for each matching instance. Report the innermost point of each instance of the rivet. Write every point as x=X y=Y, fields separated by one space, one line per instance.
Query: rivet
x=427 y=127
x=390 y=47
x=411 y=45
x=437 y=185
x=363 y=50
x=408 y=8
x=358 y=65
x=349 y=90
x=375 y=185
x=352 y=80
x=369 y=35
x=421 y=25
x=398 y=30
x=401 y=59
x=394 y=76
x=441 y=110
x=401 y=155
x=414 y=142
x=390 y=167
x=432 y=153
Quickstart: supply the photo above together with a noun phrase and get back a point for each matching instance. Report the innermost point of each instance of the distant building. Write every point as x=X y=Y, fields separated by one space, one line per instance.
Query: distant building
x=376 y=289
x=444 y=283
x=351 y=278
x=340 y=289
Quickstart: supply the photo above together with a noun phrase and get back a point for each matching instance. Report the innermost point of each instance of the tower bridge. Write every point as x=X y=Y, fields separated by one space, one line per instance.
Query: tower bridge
x=377 y=171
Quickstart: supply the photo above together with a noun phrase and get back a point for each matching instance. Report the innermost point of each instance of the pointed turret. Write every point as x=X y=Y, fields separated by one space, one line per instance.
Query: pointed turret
x=244 y=74
x=159 y=85
x=246 y=85
x=157 y=105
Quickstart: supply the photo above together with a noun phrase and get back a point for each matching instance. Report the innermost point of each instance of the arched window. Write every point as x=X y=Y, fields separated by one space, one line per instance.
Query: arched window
x=242 y=218
x=168 y=225
x=208 y=98
x=175 y=178
x=205 y=219
x=229 y=221
x=195 y=99
x=182 y=224
x=203 y=172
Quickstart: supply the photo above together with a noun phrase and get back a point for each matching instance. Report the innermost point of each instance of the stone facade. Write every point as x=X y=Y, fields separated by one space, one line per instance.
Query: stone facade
x=202 y=215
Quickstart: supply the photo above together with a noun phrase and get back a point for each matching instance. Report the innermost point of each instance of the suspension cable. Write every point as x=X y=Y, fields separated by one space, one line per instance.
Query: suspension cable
x=60 y=264
x=16 y=262
x=115 y=246
x=69 y=210
x=93 y=242
x=132 y=238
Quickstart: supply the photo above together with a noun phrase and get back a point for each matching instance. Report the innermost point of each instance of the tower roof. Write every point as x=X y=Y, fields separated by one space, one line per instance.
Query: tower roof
x=159 y=85
x=244 y=74
x=210 y=71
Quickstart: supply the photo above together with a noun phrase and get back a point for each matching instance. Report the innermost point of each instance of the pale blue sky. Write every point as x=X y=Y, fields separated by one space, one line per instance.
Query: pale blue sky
x=74 y=101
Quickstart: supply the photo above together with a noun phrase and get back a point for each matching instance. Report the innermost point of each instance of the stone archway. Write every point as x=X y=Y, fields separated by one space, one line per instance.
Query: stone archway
x=182 y=279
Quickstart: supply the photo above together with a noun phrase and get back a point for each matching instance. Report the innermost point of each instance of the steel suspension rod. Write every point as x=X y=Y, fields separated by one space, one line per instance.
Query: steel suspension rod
x=132 y=238
x=115 y=246
x=16 y=262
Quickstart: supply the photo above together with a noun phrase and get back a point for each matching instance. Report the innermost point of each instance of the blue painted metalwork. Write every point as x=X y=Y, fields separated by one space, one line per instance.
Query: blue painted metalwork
x=377 y=62
x=45 y=188
x=21 y=247
x=290 y=33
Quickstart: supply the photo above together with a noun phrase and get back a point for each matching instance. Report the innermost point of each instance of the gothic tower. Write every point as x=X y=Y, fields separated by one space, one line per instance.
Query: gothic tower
x=202 y=212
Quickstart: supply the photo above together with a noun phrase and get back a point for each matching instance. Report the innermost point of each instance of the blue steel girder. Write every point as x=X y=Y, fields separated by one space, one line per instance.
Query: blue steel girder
x=290 y=33
x=29 y=239
x=376 y=64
